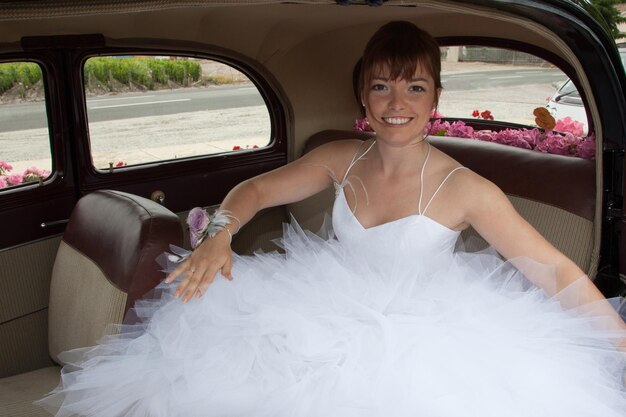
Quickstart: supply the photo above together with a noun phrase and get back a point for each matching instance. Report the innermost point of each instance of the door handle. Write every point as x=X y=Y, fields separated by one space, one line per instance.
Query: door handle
x=45 y=225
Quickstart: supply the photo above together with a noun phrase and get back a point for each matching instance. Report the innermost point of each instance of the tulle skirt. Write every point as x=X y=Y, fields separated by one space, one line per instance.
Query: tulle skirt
x=319 y=332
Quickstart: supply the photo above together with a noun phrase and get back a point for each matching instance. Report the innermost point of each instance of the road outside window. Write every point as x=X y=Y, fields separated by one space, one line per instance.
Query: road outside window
x=508 y=83
x=144 y=109
x=25 y=156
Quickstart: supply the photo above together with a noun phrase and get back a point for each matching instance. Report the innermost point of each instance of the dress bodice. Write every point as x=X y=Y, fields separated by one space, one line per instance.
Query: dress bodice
x=416 y=236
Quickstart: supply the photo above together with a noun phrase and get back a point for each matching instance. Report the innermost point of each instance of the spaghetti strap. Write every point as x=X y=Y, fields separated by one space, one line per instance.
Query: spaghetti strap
x=339 y=186
x=356 y=158
x=419 y=205
x=437 y=190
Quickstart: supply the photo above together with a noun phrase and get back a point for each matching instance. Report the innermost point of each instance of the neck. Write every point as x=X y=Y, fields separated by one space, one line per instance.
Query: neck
x=401 y=160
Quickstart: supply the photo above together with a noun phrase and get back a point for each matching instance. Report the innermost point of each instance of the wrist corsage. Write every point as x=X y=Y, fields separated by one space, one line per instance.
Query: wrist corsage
x=202 y=224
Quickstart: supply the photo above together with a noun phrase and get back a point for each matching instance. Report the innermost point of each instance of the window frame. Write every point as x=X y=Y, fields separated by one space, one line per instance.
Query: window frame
x=24 y=209
x=59 y=170
x=186 y=182
x=147 y=165
x=94 y=178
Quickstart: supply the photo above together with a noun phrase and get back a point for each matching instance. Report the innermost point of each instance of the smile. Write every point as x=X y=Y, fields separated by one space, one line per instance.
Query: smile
x=397 y=120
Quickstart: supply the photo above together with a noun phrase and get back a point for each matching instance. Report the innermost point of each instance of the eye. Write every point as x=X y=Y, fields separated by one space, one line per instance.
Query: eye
x=417 y=89
x=378 y=87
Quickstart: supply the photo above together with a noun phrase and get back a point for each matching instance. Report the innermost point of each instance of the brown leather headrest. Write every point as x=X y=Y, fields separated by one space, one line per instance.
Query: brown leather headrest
x=123 y=234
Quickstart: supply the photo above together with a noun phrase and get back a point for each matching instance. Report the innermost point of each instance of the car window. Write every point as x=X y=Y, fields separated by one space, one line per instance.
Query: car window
x=25 y=156
x=145 y=109
x=508 y=84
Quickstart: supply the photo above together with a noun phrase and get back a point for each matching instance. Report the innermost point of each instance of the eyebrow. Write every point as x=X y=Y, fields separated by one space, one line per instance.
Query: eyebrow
x=412 y=80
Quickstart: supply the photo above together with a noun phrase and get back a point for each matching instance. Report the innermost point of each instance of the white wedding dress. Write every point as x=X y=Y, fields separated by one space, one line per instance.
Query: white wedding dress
x=389 y=321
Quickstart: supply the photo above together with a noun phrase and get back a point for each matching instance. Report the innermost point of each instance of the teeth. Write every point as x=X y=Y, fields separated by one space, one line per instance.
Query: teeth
x=397 y=120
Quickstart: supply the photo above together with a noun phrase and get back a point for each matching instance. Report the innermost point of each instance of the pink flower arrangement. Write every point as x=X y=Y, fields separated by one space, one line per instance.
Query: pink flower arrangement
x=566 y=138
x=524 y=139
x=587 y=148
x=5 y=168
x=7 y=179
x=14 y=179
x=460 y=130
x=551 y=141
x=569 y=125
x=33 y=174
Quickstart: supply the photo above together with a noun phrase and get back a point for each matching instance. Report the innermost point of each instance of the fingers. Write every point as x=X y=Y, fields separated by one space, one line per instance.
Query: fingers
x=195 y=283
x=181 y=269
x=204 y=284
x=198 y=271
x=227 y=269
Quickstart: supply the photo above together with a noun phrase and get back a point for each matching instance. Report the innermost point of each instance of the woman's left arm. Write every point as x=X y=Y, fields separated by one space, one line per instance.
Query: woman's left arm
x=493 y=216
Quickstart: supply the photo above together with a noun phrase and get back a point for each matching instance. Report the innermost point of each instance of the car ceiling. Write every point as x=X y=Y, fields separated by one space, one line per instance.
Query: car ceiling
x=271 y=28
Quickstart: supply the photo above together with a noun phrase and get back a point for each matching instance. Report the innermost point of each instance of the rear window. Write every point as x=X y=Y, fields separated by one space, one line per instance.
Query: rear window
x=508 y=84
x=512 y=98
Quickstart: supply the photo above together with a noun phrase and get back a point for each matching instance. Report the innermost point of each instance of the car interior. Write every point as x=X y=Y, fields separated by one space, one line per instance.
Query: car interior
x=79 y=247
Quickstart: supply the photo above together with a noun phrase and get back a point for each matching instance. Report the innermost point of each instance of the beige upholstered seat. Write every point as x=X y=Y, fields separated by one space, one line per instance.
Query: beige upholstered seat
x=554 y=193
x=105 y=261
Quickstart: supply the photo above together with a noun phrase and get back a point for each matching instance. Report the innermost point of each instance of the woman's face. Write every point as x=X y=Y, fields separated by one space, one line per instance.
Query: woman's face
x=398 y=110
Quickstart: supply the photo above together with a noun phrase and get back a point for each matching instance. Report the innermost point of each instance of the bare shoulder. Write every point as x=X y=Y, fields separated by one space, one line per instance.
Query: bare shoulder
x=466 y=185
x=478 y=195
x=336 y=155
x=441 y=161
x=445 y=163
x=339 y=148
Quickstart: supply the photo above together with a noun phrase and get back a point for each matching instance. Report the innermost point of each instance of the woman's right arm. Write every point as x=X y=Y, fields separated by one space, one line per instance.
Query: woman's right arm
x=293 y=182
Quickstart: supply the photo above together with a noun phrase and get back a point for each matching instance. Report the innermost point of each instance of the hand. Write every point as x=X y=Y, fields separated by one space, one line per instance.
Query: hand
x=198 y=271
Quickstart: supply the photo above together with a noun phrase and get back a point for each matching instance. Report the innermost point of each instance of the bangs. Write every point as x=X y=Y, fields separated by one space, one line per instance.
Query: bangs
x=398 y=68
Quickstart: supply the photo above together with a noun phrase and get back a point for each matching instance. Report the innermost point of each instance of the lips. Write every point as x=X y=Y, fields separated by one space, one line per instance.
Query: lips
x=397 y=120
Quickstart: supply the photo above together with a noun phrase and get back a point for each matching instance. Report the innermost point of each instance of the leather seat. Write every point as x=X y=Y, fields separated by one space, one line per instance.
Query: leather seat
x=105 y=261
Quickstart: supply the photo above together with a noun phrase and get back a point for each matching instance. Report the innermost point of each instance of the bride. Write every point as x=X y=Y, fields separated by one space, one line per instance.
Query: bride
x=386 y=320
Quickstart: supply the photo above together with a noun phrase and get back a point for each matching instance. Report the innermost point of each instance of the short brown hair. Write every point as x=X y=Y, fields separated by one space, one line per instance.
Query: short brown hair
x=402 y=47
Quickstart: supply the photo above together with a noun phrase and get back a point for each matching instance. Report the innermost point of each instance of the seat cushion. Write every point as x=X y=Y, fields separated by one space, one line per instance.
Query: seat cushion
x=18 y=392
x=90 y=296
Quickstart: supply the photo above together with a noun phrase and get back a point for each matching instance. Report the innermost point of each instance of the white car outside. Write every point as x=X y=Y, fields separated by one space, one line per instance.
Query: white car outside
x=566 y=101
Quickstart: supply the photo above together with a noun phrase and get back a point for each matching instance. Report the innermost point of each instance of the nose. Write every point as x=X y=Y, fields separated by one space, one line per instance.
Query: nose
x=396 y=100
